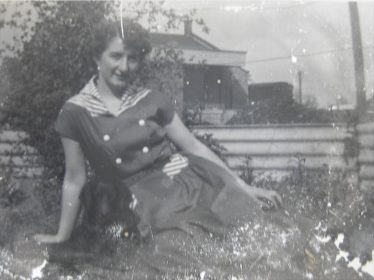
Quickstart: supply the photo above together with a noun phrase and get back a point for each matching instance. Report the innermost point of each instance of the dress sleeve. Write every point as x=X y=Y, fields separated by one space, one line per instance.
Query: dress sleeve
x=167 y=109
x=66 y=123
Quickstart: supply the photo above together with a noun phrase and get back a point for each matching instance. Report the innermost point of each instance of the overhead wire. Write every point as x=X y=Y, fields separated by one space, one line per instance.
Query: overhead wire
x=305 y=55
x=287 y=57
x=121 y=7
x=227 y=7
x=262 y=8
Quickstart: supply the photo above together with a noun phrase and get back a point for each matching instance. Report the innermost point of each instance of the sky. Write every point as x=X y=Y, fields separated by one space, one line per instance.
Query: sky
x=282 y=38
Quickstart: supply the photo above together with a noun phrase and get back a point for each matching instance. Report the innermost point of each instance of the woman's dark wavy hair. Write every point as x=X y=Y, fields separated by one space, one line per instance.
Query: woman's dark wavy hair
x=134 y=36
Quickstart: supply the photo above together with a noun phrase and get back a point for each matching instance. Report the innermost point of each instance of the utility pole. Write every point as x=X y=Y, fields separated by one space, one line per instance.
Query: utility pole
x=358 y=58
x=300 y=77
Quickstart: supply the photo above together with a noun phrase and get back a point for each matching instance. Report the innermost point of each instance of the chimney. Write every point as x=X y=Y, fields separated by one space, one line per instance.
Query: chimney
x=188 y=27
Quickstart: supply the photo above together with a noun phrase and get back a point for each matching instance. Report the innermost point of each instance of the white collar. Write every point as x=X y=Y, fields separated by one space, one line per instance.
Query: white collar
x=90 y=98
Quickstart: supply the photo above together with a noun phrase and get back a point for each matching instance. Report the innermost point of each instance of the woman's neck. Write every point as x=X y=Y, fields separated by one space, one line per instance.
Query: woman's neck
x=106 y=91
x=110 y=98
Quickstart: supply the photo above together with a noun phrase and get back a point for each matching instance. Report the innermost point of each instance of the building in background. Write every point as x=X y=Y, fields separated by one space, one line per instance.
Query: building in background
x=213 y=79
x=261 y=91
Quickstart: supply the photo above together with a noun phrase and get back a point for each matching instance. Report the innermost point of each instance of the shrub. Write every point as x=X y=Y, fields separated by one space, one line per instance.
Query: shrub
x=282 y=110
x=55 y=62
x=39 y=87
x=323 y=195
x=10 y=192
x=208 y=140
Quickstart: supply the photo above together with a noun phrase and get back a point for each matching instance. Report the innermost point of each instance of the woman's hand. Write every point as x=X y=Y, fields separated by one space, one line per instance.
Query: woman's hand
x=269 y=199
x=49 y=238
x=74 y=180
x=184 y=140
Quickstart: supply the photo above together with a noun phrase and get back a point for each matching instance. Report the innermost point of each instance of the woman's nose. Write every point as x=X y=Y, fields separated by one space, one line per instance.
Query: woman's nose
x=123 y=66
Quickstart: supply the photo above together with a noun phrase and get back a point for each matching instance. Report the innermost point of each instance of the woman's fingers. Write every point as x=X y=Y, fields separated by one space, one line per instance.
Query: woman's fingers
x=46 y=238
x=277 y=200
x=270 y=200
x=41 y=238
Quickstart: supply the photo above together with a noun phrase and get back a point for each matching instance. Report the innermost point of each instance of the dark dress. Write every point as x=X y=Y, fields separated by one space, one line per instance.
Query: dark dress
x=194 y=218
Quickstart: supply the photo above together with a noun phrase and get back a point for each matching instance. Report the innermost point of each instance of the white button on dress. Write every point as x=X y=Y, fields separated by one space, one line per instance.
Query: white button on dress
x=145 y=149
x=106 y=137
x=141 y=122
x=118 y=160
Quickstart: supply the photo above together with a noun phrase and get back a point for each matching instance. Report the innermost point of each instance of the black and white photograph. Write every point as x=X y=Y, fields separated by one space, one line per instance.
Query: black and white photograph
x=186 y=140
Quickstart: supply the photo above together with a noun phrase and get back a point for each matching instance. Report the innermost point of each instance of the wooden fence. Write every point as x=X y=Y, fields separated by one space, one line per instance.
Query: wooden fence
x=282 y=148
x=21 y=159
x=265 y=148
x=366 y=156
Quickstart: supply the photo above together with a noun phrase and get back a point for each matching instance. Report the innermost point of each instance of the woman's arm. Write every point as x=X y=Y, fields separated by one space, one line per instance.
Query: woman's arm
x=74 y=180
x=184 y=140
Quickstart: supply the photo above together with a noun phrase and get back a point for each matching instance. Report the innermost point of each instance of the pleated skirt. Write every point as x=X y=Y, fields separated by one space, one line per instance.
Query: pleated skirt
x=199 y=223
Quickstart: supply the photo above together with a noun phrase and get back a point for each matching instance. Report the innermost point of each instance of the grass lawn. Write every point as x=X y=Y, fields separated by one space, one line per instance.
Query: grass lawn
x=326 y=205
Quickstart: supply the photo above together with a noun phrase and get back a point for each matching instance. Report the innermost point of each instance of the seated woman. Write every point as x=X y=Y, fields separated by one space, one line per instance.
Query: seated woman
x=125 y=130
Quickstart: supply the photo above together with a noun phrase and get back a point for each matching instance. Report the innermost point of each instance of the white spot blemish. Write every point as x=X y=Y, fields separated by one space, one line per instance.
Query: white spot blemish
x=342 y=255
x=115 y=230
x=141 y=122
x=318 y=226
x=118 y=160
x=339 y=240
x=355 y=264
x=145 y=149
x=369 y=266
x=235 y=9
x=323 y=239
x=283 y=237
x=106 y=137
x=133 y=203
x=37 y=272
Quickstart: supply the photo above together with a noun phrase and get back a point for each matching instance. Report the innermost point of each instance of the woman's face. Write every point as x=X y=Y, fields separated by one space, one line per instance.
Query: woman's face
x=117 y=65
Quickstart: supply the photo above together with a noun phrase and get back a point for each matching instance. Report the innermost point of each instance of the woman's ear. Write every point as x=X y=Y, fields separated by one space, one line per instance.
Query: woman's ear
x=96 y=60
x=97 y=66
x=86 y=196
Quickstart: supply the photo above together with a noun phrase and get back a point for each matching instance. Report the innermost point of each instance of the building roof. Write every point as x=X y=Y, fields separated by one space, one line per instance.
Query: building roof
x=270 y=84
x=197 y=50
x=180 y=41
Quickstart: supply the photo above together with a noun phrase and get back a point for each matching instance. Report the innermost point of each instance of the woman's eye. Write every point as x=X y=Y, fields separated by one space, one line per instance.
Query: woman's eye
x=116 y=55
x=133 y=58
